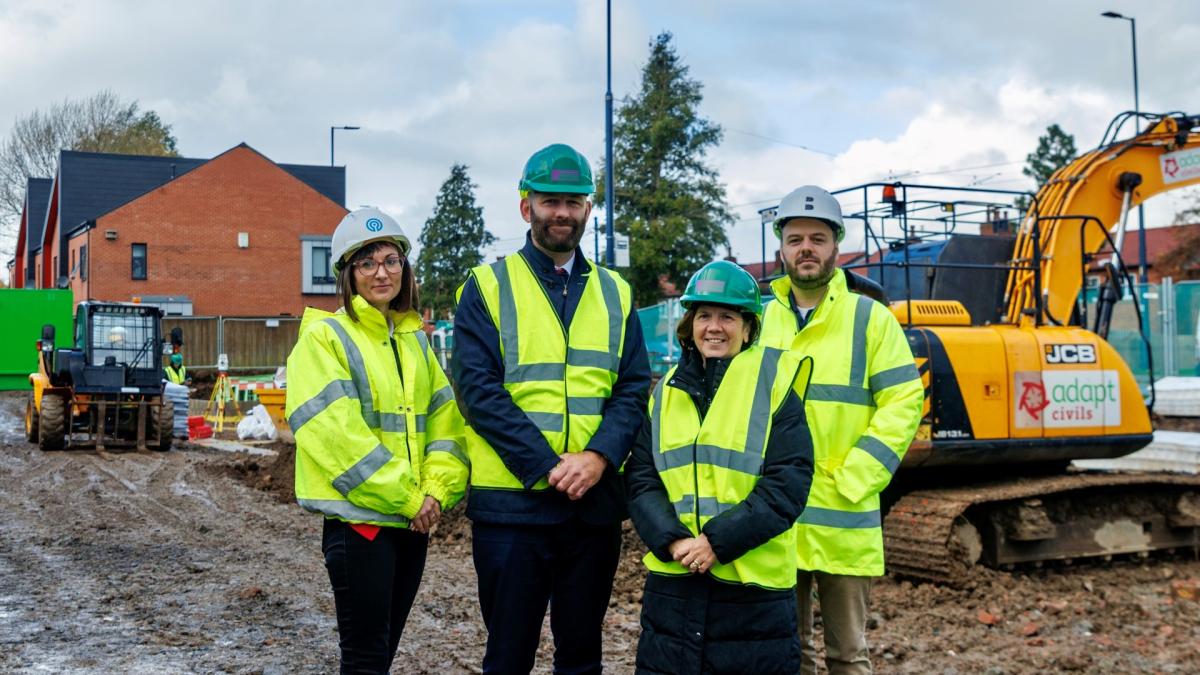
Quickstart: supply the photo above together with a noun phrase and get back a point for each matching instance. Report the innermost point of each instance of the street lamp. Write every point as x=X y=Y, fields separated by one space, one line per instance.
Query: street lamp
x=1137 y=122
x=331 y=130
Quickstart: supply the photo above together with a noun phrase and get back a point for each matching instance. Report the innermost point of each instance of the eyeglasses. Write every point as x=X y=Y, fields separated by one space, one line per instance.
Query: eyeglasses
x=368 y=266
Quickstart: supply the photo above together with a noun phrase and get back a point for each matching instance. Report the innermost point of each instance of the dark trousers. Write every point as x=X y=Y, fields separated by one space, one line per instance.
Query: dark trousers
x=374 y=584
x=522 y=568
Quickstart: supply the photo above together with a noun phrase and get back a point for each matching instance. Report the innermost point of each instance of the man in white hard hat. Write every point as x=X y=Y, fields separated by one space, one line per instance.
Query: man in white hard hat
x=863 y=407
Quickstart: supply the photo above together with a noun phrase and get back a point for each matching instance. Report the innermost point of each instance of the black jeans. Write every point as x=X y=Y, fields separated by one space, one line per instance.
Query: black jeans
x=374 y=584
x=522 y=568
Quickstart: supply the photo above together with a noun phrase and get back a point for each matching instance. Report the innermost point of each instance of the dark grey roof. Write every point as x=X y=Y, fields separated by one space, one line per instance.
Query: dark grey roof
x=93 y=183
x=37 y=200
x=328 y=180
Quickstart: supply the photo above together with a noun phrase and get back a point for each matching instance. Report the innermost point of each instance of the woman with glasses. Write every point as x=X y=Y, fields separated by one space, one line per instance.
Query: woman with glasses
x=716 y=480
x=379 y=447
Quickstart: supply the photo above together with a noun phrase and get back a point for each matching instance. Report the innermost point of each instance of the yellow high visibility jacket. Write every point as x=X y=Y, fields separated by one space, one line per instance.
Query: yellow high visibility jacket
x=376 y=425
x=561 y=381
x=711 y=466
x=863 y=408
x=176 y=376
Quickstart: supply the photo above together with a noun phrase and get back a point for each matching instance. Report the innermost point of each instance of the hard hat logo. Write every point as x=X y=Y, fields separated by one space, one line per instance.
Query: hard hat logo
x=374 y=224
x=564 y=176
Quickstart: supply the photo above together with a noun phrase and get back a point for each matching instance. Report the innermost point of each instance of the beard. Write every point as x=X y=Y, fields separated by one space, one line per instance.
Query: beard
x=810 y=280
x=540 y=228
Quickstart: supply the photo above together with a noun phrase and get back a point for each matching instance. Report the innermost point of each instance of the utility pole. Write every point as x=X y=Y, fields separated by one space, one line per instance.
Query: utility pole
x=610 y=258
x=1137 y=124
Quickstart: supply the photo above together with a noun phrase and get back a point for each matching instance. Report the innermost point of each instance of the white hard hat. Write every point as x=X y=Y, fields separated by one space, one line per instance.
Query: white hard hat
x=811 y=201
x=116 y=334
x=363 y=226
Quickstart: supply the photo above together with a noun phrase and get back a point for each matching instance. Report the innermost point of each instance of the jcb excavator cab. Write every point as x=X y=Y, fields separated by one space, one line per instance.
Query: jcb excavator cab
x=107 y=387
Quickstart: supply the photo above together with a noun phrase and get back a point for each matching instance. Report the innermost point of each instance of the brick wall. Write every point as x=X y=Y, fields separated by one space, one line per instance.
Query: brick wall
x=190 y=227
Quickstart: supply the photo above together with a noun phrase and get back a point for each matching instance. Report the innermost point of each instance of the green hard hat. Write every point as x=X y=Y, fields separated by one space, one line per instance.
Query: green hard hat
x=557 y=168
x=723 y=283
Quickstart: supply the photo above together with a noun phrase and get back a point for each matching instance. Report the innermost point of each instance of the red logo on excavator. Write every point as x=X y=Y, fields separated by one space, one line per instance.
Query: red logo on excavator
x=1171 y=167
x=1033 y=399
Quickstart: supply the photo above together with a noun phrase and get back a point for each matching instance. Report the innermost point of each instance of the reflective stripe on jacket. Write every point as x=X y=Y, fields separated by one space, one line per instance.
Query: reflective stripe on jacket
x=376 y=425
x=176 y=376
x=710 y=466
x=863 y=407
x=560 y=381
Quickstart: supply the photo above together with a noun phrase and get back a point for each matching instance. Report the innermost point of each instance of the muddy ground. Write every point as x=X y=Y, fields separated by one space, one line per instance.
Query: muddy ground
x=195 y=561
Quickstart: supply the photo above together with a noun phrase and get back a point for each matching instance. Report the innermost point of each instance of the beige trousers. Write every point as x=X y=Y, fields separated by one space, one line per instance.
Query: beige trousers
x=843 y=602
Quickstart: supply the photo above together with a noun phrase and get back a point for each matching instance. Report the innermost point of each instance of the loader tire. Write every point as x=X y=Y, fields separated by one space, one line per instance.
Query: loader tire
x=165 y=424
x=31 y=421
x=52 y=423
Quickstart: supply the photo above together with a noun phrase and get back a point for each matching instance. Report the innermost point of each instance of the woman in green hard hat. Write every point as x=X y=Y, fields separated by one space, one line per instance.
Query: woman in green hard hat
x=716 y=480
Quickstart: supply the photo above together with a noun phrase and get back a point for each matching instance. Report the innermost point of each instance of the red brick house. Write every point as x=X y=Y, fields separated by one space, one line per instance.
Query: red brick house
x=235 y=235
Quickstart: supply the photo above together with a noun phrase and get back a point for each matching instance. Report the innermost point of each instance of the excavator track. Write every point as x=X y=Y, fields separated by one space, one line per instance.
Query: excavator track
x=940 y=534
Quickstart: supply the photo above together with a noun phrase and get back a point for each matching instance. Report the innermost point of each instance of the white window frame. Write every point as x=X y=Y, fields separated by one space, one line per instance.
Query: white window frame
x=308 y=242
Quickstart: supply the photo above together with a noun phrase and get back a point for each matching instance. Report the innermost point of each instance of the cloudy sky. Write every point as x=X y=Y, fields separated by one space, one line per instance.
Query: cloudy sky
x=807 y=92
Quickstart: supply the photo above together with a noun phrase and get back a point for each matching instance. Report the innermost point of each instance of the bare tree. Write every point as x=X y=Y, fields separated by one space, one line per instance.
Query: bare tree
x=101 y=123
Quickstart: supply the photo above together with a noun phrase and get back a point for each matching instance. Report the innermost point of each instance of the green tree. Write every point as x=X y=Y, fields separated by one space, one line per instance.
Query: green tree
x=668 y=200
x=101 y=123
x=452 y=241
x=1055 y=149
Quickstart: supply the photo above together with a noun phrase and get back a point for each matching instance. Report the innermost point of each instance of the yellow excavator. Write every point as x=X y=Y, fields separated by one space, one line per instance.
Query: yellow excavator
x=1018 y=384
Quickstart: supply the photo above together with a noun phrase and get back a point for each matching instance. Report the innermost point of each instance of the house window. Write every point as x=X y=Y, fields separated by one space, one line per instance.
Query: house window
x=83 y=262
x=317 y=265
x=73 y=268
x=137 y=261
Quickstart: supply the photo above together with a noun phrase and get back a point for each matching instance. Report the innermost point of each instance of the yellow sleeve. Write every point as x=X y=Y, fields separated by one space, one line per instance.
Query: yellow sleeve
x=446 y=467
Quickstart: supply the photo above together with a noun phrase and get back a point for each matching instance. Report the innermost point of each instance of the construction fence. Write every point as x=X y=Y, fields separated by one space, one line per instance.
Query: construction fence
x=1171 y=319
x=250 y=343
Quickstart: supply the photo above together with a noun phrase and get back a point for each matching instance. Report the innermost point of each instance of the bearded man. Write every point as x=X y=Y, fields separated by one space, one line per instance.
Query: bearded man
x=863 y=407
x=551 y=370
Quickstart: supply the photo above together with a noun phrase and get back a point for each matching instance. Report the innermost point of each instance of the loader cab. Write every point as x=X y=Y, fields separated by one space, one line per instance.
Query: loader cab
x=116 y=349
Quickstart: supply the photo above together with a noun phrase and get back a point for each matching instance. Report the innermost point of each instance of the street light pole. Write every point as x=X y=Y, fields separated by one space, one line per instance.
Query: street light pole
x=610 y=259
x=331 y=130
x=1137 y=123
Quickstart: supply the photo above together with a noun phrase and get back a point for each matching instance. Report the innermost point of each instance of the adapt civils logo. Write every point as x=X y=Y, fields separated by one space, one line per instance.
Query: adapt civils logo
x=1070 y=353
x=1180 y=165
x=374 y=224
x=1066 y=398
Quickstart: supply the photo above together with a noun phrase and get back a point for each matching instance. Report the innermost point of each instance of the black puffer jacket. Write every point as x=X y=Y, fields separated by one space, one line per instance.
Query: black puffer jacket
x=698 y=624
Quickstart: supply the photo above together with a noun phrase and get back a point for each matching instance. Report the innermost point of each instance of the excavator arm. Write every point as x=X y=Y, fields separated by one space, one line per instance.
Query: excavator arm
x=1104 y=184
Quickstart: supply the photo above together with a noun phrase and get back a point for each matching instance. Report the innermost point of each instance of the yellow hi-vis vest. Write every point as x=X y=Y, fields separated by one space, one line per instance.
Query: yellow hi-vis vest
x=711 y=466
x=176 y=376
x=561 y=379
x=376 y=425
x=863 y=408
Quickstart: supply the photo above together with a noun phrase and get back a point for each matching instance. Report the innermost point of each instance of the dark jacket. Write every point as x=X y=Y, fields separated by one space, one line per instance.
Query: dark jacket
x=741 y=628
x=478 y=373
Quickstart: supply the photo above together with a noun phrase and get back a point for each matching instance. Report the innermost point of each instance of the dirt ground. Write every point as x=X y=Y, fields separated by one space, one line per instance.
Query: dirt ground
x=196 y=561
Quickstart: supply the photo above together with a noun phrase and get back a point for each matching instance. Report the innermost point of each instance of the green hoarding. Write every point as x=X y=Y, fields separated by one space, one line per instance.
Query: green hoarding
x=23 y=312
